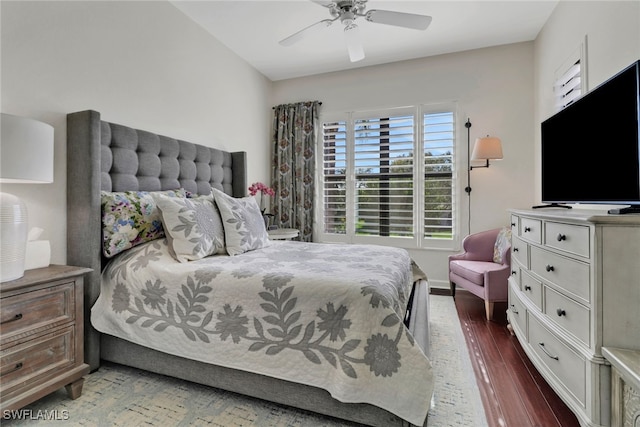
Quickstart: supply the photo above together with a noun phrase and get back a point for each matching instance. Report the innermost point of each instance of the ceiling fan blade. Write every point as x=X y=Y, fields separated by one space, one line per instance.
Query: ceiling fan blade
x=296 y=37
x=354 y=43
x=399 y=19
x=325 y=3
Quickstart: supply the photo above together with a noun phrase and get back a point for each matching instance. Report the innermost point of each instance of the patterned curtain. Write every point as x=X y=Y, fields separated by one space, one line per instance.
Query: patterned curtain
x=293 y=167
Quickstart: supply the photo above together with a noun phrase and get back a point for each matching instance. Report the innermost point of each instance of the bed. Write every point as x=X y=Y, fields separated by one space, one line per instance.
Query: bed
x=299 y=332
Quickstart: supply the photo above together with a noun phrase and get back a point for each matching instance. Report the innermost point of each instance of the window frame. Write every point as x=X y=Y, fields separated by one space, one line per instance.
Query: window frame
x=418 y=241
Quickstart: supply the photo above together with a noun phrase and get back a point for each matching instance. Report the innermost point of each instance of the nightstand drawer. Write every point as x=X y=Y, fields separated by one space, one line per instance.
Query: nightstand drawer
x=32 y=360
x=573 y=239
x=31 y=311
x=563 y=362
x=567 y=314
x=566 y=273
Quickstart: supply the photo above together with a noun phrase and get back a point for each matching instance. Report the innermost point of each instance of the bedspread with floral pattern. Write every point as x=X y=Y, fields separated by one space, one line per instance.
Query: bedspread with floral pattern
x=326 y=315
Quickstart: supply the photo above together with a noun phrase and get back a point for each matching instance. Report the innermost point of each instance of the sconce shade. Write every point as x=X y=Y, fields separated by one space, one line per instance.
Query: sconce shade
x=487 y=148
x=26 y=150
x=26 y=156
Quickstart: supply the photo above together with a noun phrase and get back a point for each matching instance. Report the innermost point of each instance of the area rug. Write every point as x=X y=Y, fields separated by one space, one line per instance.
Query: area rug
x=116 y=395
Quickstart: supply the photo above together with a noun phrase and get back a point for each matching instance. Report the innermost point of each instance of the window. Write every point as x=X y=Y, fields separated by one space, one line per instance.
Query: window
x=377 y=167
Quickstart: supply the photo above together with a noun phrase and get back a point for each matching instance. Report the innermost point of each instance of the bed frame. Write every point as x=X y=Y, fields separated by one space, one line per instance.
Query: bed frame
x=112 y=157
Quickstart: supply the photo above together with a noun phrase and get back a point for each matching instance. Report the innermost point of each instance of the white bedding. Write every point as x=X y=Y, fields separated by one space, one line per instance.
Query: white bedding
x=329 y=316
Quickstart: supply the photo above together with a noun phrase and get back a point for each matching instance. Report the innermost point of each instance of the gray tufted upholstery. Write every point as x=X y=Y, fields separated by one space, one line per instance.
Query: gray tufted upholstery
x=138 y=160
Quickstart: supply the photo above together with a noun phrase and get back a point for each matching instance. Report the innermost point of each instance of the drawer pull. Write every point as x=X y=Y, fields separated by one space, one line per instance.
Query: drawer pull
x=515 y=249
x=513 y=224
x=513 y=309
x=561 y=312
x=549 y=268
x=561 y=237
x=513 y=272
x=527 y=229
x=15 y=368
x=13 y=319
x=541 y=344
x=527 y=287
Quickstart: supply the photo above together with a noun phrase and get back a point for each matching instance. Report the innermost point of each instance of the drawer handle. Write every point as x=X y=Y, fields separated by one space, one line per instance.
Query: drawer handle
x=515 y=249
x=15 y=368
x=513 y=272
x=513 y=309
x=541 y=344
x=513 y=224
x=13 y=319
x=527 y=229
x=527 y=287
x=561 y=312
x=549 y=268
x=561 y=237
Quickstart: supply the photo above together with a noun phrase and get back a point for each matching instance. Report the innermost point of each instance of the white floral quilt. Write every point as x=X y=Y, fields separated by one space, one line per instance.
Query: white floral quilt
x=325 y=315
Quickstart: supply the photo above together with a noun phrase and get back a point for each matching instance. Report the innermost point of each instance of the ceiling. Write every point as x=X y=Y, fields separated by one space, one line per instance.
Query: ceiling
x=253 y=28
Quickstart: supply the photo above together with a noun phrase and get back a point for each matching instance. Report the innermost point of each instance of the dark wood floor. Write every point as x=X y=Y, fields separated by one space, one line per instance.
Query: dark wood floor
x=512 y=390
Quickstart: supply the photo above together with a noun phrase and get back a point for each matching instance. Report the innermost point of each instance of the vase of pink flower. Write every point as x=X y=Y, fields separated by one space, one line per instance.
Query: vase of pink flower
x=259 y=187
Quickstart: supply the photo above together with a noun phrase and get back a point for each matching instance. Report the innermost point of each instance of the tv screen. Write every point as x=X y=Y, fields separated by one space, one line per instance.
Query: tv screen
x=591 y=149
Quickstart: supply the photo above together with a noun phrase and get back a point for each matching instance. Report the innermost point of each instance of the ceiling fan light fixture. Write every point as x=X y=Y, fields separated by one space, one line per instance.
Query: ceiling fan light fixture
x=354 y=44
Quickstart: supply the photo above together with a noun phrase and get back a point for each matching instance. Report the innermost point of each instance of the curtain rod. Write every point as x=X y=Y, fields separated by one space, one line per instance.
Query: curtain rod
x=319 y=103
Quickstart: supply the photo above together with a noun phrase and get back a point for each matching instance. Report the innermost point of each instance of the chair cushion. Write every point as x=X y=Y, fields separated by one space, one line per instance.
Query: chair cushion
x=473 y=271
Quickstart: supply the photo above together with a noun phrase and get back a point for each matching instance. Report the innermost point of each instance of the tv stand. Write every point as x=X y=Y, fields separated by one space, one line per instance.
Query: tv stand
x=634 y=209
x=552 y=205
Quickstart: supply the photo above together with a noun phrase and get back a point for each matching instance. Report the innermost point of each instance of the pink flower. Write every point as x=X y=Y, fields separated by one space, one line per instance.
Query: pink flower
x=260 y=187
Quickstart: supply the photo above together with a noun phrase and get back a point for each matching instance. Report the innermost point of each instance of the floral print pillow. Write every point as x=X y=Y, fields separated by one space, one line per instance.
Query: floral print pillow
x=193 y=226
x=502 y=243
x=244 y=228
x=130 y=218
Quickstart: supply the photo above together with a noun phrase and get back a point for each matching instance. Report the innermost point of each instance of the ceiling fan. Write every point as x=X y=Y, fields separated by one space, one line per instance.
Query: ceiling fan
x=347 y=11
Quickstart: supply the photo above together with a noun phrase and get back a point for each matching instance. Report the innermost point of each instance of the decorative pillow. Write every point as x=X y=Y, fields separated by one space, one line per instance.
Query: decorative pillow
x=244 y=228
x=193 y=226
x=502 y=242
x=130 y=218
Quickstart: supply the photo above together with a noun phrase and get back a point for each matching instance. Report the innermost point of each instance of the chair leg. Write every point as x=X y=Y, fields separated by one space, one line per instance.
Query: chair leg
x=453 y=289
x=488 y=308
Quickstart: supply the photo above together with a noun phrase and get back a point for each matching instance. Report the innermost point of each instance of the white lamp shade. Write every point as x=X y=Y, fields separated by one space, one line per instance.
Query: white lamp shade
x=487 y=148
x=26 y=150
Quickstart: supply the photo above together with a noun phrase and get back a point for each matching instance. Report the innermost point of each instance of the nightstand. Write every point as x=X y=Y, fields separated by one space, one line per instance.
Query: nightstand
x=283 y=233
x=41 y=335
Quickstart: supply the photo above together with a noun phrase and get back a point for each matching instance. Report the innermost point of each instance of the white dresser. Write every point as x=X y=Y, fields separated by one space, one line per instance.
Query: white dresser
x=574 y=288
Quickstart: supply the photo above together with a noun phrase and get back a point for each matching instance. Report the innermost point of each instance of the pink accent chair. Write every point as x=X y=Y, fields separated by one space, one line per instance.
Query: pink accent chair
x=484 y=266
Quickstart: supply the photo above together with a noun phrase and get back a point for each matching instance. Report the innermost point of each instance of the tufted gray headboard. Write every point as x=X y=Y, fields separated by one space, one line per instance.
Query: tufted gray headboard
x=112 y=157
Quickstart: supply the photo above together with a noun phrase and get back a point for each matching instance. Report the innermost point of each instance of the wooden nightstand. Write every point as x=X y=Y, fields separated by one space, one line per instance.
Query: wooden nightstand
x=41 y=335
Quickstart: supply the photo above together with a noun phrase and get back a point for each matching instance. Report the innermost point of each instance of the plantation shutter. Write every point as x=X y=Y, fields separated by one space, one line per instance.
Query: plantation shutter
x=439 y=137
x=383 y=163
x=334 y=177
x=568 y=87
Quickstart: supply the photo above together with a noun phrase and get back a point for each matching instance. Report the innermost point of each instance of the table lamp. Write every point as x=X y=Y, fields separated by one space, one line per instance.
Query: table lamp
x=26 y=156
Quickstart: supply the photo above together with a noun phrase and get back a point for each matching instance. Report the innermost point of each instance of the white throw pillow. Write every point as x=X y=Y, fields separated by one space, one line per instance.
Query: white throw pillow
x=244 y=228
x=193 y=226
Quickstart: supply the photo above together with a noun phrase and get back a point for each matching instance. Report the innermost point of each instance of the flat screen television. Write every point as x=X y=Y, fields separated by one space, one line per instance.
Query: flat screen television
x=591 y=148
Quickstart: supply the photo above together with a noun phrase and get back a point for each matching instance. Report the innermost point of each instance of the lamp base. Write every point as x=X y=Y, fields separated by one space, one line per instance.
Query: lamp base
x=13 y=237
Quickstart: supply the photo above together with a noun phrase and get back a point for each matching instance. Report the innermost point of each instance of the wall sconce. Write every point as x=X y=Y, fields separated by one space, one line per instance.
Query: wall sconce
x=487 y=148
x=26 y=156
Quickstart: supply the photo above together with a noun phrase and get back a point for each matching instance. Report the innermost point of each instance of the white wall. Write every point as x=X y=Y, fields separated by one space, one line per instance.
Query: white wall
x=142 y=64
x=610 y=34
x=493 y=87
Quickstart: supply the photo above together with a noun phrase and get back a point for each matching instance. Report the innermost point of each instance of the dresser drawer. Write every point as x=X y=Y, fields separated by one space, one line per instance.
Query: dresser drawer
x=531 y=288
x=563 y=362
x=573 y=239
x=531 y=230
x=566 y=273
x=517 y=310
x=31 y=361
x=31 y=311
x=520 y=251
x=568 y=314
